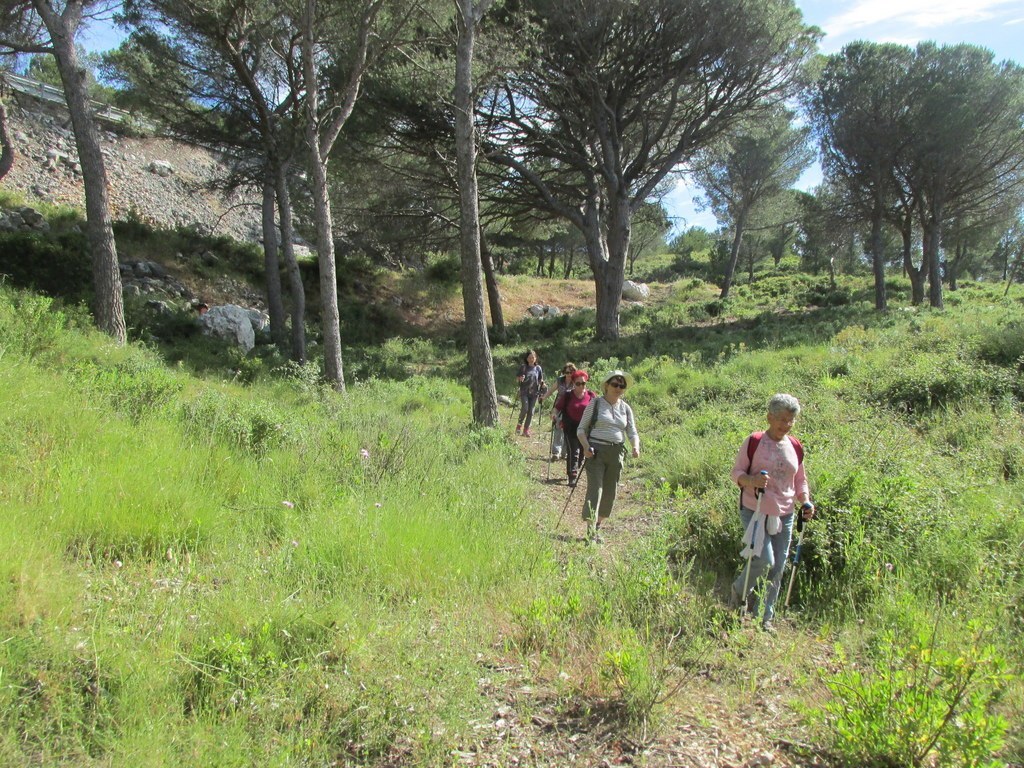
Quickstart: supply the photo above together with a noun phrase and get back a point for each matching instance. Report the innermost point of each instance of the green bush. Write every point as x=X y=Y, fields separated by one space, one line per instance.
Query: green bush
x=29 y=324
x=55 y=264
x=918 y=705
x=444 y=268
x=137 y=386
x=251 y=426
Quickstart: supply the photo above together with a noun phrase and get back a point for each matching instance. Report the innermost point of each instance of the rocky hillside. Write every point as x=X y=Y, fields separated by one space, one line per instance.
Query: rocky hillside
x=160 y=181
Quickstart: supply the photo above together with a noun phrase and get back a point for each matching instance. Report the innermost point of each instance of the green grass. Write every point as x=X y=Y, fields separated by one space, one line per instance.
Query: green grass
x=219 y=572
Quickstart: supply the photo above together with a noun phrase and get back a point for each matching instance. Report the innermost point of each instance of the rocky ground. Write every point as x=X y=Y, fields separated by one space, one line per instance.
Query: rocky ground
x=159 y=181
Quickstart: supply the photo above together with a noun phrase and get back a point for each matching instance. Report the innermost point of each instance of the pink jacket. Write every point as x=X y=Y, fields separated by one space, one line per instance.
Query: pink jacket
x=787 y=478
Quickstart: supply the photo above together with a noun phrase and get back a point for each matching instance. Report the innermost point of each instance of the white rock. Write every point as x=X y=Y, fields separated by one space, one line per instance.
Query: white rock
x=230 y=322
x=635 y=291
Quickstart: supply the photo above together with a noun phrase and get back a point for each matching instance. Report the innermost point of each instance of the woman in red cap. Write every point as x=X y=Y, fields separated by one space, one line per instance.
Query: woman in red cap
x=572 y=404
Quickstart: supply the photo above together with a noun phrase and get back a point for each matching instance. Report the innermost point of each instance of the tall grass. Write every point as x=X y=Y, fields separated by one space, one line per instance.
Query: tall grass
x=204 y=572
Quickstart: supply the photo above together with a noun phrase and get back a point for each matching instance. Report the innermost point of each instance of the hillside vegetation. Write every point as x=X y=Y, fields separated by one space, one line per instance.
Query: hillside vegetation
x=196 y=570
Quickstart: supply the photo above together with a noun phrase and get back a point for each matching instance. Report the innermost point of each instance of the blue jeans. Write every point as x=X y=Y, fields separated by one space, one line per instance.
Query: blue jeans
x=771 y=560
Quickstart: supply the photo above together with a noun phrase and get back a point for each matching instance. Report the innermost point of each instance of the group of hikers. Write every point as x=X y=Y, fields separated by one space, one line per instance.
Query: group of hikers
x=593 y=433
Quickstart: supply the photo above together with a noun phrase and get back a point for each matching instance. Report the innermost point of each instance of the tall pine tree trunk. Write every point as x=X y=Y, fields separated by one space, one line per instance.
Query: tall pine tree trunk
x=878 y=257
x=106 y=276
x=7 y=152
x=272 y=264
x=734 y=255
x=933 y=239
x=493 y=294
x=330 y=319
x=291 y=263
x=481 y=366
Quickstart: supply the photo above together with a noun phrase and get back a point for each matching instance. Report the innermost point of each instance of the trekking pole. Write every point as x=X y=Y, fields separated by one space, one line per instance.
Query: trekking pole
x=572 y=490
x=551 y=450
x=800 y=523
x=758 y=492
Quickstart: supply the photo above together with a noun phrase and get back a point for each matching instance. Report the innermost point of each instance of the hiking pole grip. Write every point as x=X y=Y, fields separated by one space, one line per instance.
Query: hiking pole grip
x=759 y=491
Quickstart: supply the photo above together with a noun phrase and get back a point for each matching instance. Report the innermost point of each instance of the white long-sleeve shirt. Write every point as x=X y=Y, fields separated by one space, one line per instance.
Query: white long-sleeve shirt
x=614 y=423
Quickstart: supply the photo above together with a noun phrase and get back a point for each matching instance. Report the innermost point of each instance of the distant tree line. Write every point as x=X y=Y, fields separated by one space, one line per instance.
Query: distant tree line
x=546 y=133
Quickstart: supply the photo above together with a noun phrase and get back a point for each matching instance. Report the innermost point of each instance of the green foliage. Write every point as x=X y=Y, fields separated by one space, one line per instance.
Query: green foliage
x=246 y=424
x=137 y=386
x=55 y=264
x=918 y=701
x=443 y=268
x=29 y=324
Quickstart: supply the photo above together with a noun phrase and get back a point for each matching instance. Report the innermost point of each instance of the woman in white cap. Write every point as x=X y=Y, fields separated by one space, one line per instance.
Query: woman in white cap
x=607 y=425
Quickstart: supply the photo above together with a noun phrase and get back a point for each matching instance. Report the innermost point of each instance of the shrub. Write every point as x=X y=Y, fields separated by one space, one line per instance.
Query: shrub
x=251 y=426
x=57 y=265
x=918 y=705
x=137 y=386
x=29 y=324
x=444 y=269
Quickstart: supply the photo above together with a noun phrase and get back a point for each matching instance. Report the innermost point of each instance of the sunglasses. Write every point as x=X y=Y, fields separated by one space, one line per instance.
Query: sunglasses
x=617 y=384
x=579 y=384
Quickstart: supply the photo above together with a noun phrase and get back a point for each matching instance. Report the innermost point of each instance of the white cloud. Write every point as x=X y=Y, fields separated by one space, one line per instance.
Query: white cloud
x=1011 y=22
x=921 y=14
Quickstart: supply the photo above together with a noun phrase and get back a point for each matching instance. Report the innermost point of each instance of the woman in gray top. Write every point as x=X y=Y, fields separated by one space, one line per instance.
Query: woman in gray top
x=605 y=428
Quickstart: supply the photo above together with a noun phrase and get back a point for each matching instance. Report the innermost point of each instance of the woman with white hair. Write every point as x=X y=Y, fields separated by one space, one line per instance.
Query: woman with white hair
x=605 y=428
x=769 y=464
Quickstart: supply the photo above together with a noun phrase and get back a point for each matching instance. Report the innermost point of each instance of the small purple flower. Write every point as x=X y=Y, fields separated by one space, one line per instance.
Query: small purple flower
x=364 y=453
x=294 y=543
x=378 y=505
x=289 y=504
x=889 y=566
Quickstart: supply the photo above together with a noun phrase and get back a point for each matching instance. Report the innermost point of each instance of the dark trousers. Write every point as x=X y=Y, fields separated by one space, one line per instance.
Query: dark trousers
x=574 y=450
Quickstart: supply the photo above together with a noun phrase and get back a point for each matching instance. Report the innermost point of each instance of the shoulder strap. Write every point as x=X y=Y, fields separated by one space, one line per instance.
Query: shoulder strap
x=752 y=443
x=798 y=447
x=593 y=416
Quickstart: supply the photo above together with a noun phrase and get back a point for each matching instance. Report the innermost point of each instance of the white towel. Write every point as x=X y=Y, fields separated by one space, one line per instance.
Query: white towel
x=753 y=537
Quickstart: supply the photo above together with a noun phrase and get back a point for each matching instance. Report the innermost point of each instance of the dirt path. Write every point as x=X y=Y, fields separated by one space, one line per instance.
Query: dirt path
x=718 y=719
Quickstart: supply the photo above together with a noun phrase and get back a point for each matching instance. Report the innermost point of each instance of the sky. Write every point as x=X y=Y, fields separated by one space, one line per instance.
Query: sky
x=995 y=24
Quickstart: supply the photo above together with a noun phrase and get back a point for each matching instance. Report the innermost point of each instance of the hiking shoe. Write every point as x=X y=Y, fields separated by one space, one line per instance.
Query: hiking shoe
x=769 y=626
x=519 y=429
x=598 y=538
x=526 y=433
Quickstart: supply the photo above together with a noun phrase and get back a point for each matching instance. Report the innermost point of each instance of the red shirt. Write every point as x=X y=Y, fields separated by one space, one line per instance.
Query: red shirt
x=573 y=407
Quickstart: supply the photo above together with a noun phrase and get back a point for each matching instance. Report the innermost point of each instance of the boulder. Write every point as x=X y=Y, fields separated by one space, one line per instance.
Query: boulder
x=544 y=310
x=260 y=320
x=635 y=291
x=230 y=322
x=161 y=168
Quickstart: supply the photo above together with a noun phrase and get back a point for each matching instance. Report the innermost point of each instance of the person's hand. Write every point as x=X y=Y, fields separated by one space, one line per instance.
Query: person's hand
x=636 y=451
x=589 y=450
x=760 y=481
x=520 y=379
x=807 y=510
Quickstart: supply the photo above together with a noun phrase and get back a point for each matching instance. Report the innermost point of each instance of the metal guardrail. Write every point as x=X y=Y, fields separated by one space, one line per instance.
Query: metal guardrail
x=53 y=95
